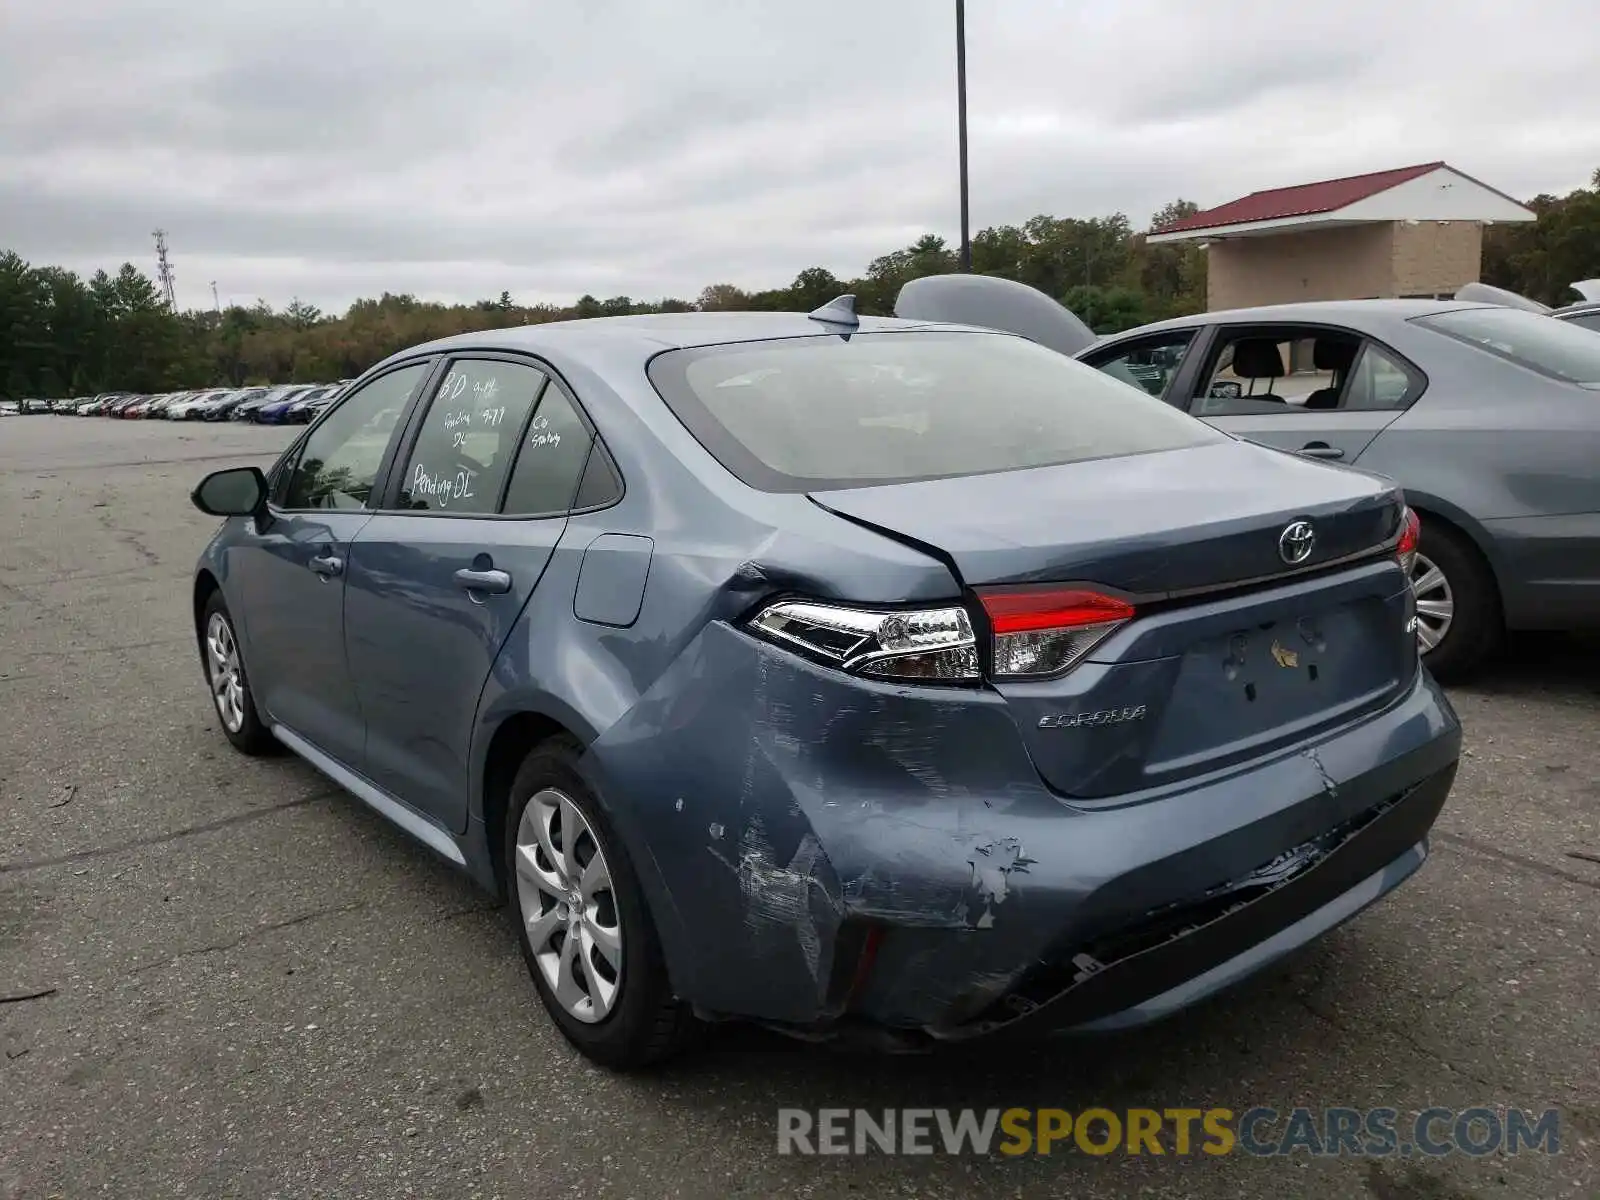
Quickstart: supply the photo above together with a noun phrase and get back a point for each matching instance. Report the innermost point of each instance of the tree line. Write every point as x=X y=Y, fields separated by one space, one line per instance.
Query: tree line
x=62 y=335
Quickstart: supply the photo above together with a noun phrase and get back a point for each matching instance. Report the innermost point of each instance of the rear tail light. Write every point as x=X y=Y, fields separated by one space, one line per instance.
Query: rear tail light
x=1046 y=631
x=1410 y=534
x=934 y=645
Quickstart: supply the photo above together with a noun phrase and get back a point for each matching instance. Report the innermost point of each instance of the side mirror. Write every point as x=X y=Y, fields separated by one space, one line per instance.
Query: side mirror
x=235 y=492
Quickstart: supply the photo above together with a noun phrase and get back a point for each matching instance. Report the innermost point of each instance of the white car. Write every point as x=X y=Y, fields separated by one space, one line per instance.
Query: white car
x=190 y=409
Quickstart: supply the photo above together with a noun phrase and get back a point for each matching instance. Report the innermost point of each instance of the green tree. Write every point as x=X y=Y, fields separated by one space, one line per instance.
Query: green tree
x=301 y=315
x=814 y=287
x=723 y=297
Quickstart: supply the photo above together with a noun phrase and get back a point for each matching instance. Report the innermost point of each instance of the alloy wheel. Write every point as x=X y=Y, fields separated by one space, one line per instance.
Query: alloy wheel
x=227 y=677
x=1436 y=602
x=564 y=890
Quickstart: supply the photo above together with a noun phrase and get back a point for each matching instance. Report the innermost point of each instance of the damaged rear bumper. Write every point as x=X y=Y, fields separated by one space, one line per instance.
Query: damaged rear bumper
x=828 y=854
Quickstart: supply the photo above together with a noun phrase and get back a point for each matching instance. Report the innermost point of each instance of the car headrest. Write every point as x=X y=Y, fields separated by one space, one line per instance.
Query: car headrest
x=1333 y=354
x=1257 y=358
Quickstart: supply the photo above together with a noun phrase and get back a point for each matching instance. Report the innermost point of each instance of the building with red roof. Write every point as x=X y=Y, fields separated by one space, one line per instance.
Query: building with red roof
x=1411 y=231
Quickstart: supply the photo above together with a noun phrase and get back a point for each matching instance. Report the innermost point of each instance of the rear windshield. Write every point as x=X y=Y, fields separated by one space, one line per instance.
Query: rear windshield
x=1532 y=340
x=823 y=412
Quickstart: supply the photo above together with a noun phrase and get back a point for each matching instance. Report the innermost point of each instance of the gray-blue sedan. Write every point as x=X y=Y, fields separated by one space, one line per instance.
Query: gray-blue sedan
x=860 y=677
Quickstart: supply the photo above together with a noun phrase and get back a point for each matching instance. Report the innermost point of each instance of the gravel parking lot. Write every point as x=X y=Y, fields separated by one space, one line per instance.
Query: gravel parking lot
x=256 y=987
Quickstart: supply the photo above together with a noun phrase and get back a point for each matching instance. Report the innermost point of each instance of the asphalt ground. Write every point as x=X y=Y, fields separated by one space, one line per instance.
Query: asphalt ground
x=256 y=987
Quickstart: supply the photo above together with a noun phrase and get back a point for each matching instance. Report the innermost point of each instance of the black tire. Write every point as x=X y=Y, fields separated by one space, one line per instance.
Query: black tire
x=646 y=1023
x=1477 y=625
x=251 y=737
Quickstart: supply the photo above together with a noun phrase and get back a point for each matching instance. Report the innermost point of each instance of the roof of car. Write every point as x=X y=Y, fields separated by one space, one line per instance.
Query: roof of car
x=650 y=332
x=1340 y=312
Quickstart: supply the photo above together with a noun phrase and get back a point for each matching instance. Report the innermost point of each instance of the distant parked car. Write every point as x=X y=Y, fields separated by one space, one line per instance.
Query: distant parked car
x=220 y=410
x=282 y=410
x=246 y=409
x=163 y=406
x=190 y=407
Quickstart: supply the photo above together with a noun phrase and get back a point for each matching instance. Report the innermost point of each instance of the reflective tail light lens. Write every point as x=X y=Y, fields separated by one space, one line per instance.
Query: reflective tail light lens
x=1043 y=632
x=1410 y=535
x=934 y=645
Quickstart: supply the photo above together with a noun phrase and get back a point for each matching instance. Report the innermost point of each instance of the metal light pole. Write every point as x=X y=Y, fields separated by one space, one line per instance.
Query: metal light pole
x=961 y=119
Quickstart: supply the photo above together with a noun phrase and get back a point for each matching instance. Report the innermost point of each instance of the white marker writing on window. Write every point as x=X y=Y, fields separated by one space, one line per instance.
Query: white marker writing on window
x=442 y=488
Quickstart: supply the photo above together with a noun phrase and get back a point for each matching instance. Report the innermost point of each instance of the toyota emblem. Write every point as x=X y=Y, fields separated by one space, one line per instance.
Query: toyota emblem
x=1296 y=542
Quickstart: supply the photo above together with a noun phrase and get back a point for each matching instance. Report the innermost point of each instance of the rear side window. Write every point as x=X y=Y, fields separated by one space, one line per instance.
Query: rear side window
x=554 y=451
x=825 y=412
x=1532 y=340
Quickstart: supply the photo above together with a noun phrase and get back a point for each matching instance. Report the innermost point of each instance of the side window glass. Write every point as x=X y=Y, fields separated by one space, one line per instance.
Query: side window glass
x=1149 y=365
x=1245 y=378
x=1378 y=382
x=600 y=484
x=1265 y=375
x=342 y=455
x=468 y=437
x=553 y=454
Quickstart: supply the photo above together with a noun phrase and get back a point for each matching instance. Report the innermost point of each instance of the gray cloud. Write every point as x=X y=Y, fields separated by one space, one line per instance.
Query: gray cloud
x=654 y=146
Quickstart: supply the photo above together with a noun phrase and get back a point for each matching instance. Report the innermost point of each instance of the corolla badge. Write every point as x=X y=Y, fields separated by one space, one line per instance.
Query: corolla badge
x=1089 y=720
x=1296 y=542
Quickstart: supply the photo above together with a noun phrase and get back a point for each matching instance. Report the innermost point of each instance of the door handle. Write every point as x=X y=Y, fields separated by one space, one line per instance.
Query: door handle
x=494 y=583
x=1321 y=450
x=327 y=565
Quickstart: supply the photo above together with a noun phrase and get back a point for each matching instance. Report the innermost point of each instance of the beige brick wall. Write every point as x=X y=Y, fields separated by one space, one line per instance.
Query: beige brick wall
x=1430 y=258
x=1324 y=264
x=1353 y=263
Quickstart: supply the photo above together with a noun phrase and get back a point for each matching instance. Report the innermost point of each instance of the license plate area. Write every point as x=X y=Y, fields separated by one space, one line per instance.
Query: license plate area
x=1240 y=692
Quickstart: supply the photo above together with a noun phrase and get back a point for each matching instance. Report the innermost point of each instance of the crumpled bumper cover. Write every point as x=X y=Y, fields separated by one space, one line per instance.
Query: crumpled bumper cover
x=780 y=812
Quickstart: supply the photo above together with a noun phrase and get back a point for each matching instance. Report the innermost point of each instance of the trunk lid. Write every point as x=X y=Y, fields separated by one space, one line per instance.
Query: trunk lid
x=1233 y=653
x=1153 y=525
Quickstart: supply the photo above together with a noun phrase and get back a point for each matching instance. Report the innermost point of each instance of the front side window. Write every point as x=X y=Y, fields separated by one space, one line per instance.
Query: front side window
x=1150 y=364
x=1531 y=340
x=468 y=437
x=341 y=456
x=825 y=412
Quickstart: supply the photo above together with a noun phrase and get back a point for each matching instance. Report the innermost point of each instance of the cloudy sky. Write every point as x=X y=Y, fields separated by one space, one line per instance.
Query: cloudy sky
x=649 y=147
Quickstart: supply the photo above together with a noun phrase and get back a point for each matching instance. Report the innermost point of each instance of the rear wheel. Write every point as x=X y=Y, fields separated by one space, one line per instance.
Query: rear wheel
x=1459 y=623
x=585 y=932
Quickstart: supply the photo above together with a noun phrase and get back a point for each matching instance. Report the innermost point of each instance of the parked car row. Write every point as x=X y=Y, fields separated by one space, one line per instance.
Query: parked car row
x=286 y=404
